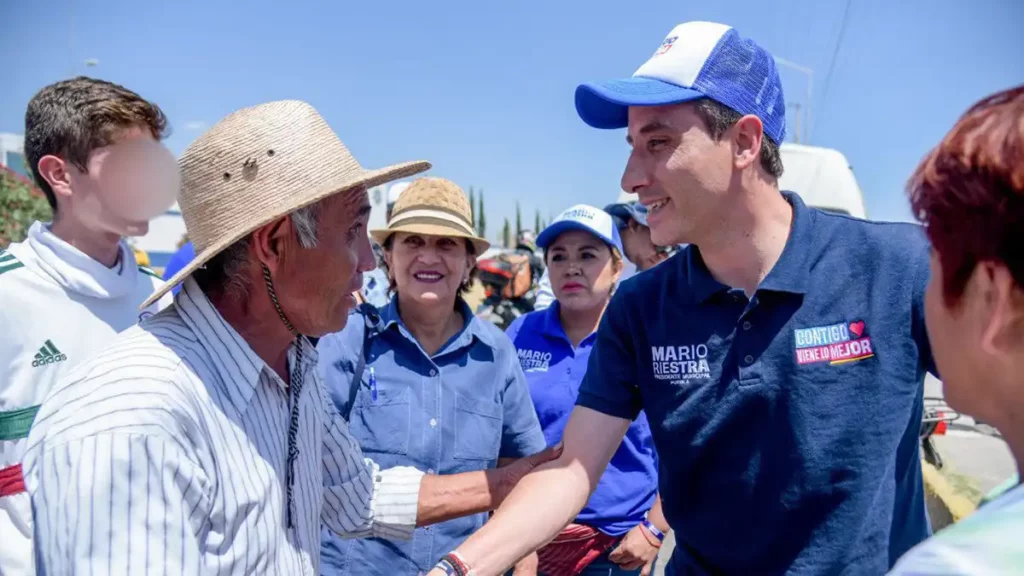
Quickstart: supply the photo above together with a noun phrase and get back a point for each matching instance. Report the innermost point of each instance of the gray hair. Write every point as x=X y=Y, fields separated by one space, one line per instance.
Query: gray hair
x=224 y=273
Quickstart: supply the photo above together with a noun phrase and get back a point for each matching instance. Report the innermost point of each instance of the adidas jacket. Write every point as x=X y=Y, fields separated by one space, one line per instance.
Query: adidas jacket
x=58 y=307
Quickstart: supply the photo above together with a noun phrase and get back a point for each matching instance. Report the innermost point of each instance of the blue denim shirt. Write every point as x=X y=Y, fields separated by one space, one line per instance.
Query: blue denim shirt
x=457 y=411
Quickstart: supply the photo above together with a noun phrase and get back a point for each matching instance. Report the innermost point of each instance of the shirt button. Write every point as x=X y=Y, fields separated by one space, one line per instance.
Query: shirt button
x=749 y=359
x=433 y=372
x=433 y=423
x=430 y=470
x=746 y=325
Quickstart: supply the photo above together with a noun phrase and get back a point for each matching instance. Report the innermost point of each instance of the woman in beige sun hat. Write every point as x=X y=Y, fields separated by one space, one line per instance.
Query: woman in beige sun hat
x=425 y=382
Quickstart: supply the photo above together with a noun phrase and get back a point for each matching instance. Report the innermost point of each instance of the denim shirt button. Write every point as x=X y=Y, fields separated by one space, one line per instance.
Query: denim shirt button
x=433 y=372
x=433 y=423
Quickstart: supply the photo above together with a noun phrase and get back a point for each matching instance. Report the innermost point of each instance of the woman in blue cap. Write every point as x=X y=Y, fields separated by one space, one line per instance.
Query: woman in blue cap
x=621 y=528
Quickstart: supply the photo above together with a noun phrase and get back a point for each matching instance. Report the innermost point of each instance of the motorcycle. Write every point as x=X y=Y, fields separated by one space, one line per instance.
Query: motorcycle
x=935 y=422
x=508 y=287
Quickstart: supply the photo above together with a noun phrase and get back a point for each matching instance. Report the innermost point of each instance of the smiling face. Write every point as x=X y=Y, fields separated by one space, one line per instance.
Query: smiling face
x=428 y=270
x=582 y=270
x=679 y=171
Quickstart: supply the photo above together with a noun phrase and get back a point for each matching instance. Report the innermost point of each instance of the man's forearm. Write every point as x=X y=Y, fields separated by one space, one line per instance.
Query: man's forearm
x=536 y=510
x=657 y=517
x=455 y=495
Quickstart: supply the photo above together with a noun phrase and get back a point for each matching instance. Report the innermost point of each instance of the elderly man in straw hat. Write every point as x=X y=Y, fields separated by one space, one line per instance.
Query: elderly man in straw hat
x=202 y=441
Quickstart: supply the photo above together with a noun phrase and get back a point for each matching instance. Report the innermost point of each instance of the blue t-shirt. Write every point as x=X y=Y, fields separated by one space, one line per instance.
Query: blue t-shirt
x=555 y=370
x=456 y=411
x=787 y=423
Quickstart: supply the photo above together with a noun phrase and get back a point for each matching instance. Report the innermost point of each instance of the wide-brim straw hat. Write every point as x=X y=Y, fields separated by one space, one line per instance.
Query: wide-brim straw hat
x=259 y=164
x=435 y=207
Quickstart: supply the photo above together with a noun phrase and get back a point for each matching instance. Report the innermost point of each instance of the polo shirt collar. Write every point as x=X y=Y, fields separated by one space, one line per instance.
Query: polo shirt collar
x=790 y=273
x=472 y=327
x=551 y=326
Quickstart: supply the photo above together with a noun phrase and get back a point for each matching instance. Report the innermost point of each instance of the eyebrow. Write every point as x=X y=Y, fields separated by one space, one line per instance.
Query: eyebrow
x=655 y=126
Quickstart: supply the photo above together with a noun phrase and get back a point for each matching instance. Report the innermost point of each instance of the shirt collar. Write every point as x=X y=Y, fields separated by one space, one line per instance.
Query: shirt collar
x=237 y=364
x=551 y=326
x=472 y=326
x=790 y=273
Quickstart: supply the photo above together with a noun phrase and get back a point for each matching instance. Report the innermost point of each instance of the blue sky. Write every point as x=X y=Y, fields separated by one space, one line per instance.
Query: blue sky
x=485 y=92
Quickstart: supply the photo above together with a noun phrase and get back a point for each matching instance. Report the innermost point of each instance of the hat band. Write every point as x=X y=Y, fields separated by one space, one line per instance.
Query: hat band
x=430 y=217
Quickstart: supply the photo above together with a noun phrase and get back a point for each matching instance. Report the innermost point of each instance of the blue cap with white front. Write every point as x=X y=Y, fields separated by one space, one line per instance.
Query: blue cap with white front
x=696 y=60
x=586 y=218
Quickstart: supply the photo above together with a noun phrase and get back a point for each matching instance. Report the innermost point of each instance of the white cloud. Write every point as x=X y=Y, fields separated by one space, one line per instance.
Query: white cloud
x=195 y=125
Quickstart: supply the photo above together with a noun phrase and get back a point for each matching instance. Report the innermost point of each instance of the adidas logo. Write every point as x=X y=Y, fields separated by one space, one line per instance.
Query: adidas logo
x=48 y=354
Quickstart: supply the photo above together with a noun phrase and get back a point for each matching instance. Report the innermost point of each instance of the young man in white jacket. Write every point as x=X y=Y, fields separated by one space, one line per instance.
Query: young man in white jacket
x=73 y=284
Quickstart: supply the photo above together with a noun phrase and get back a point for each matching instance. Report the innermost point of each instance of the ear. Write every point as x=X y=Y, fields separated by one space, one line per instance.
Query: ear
x=1004 y=307
x=55 y=171
x=270 y=242
x=747 y=135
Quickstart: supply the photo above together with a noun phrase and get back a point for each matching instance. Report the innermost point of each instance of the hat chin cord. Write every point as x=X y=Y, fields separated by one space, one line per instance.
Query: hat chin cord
x=277 y=305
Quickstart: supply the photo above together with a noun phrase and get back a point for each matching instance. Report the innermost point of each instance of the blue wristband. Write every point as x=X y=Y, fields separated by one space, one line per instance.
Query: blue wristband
x=653 y=530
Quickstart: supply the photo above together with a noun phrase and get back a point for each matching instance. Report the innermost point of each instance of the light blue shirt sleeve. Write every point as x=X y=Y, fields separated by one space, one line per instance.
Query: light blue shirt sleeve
x=521 y=432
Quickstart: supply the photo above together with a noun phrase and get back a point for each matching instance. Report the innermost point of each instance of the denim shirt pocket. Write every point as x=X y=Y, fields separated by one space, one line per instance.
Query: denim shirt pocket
x=477 y=428
x=382 y=425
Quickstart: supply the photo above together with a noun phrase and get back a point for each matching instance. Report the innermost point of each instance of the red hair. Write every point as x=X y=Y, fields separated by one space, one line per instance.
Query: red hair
x=969 y=192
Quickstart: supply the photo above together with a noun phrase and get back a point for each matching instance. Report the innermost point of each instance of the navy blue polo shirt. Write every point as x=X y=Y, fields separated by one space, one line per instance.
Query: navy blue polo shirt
x=554 y=370
x=787 y=423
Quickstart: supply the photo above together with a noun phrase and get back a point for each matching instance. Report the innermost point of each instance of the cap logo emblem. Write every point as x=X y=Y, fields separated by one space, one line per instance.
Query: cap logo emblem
x=666 y=45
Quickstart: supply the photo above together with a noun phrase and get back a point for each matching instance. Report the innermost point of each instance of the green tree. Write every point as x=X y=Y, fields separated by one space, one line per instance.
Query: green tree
x=519 y=221
x=536 y=222
x=482 y=221
x=472 y=208
x=20 y=205
x=506 y=234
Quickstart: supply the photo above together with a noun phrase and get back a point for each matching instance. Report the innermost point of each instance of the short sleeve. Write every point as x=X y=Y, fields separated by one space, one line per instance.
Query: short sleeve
x=610 y=383
x=521 y=434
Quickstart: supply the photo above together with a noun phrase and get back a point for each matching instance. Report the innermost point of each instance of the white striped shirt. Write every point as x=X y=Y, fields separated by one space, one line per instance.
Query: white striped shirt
x=166 y=454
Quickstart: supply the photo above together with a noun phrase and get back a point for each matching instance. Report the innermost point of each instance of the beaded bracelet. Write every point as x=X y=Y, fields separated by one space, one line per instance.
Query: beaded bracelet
x=454 y=565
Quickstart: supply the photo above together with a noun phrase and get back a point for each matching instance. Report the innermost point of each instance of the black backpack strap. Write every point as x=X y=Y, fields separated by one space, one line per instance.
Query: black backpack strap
x=371 y=326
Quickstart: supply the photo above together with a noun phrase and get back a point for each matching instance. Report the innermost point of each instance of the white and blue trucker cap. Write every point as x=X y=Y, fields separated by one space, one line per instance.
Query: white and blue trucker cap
x=696 y=60
x=586 y=218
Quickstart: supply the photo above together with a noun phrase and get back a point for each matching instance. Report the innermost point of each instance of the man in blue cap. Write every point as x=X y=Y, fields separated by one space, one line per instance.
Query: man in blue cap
x=779 y=357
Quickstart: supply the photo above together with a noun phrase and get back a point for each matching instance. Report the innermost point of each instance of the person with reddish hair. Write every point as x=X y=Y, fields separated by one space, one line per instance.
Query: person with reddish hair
x=969 y=194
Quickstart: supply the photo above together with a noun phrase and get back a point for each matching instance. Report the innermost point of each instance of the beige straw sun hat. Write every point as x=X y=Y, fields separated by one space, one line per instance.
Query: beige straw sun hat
x=259 y=164
x=435 y=207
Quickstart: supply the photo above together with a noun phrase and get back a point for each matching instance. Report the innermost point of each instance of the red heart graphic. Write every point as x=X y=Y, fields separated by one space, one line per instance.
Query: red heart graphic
x=857 y=328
